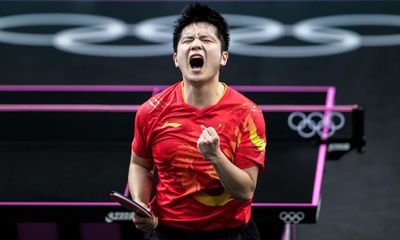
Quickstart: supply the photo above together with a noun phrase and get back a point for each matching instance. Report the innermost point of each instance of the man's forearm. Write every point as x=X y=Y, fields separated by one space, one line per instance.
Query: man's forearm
x=140 y=182
x=236 y=181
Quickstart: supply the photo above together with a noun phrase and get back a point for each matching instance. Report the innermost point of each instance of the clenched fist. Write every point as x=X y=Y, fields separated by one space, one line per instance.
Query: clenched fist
x=208 y=142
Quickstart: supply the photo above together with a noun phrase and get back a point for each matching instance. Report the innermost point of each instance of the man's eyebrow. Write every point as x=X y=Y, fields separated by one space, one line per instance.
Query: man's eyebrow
x=200 y=36
x=188 y=35
x=206 y=36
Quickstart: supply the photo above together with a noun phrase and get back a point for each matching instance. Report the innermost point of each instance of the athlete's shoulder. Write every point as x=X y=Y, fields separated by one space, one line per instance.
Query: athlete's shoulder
x=238 y=99
x=161 y=100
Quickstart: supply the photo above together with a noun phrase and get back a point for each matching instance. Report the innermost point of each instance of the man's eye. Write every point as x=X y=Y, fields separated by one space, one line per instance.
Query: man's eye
x=207 y=40
x=186 y=40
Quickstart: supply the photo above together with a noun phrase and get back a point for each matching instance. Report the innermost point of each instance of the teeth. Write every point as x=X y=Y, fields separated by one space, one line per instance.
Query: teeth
x=196 y=56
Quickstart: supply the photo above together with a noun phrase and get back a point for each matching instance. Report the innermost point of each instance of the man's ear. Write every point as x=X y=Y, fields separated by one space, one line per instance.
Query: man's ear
x=175 y=60
x=224 y=58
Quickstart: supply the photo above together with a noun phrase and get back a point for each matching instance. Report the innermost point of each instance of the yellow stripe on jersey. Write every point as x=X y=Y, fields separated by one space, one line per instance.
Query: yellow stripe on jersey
x=254 y=138
x=172 y=124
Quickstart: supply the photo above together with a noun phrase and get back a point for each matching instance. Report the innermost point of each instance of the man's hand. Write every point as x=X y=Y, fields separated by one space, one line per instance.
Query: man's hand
x=208 y=143
x=145 y=223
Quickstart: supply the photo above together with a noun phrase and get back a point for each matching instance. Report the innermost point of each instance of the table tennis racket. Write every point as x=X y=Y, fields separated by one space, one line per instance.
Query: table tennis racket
x=130 y=204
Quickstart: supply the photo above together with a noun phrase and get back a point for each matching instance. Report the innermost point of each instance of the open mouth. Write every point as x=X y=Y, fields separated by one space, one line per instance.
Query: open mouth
x=196 y=62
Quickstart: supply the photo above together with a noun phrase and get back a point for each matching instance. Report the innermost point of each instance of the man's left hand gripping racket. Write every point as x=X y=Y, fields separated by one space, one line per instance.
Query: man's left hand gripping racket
x=130 y=204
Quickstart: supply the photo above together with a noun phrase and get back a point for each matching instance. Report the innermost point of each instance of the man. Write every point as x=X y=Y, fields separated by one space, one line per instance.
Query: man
x=206 y=140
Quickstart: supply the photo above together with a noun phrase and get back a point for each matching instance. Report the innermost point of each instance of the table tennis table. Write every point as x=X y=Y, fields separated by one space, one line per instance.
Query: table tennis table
x=65 y=147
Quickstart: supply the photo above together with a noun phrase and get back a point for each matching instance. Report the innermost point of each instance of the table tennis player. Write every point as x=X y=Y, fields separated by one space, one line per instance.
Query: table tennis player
x=206 y=140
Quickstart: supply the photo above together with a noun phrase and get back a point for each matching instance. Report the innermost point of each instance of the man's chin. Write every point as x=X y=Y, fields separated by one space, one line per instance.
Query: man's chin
x=197 y=81
x=196 y=70
x=196 y=78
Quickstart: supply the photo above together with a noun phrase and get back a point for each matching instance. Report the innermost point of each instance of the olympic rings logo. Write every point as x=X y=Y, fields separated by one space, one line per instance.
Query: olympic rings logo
x=309 y=125
x=248 y=34
x=292 y=217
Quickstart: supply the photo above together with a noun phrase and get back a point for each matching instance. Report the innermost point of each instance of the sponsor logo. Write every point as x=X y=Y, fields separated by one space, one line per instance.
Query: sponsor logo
x=118 y=216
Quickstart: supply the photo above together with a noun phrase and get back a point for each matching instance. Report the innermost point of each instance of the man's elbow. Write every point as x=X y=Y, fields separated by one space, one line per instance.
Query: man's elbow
x=243 y=196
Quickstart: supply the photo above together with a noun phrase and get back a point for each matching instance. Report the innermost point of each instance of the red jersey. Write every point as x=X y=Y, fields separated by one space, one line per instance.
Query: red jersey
x=189 y=194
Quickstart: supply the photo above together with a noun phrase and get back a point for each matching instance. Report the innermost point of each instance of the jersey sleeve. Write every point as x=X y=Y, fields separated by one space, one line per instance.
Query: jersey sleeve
x=252 y=143
x=141 y=145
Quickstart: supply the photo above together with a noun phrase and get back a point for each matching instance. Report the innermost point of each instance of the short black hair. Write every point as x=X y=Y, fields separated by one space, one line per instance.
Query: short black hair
x=196 y=12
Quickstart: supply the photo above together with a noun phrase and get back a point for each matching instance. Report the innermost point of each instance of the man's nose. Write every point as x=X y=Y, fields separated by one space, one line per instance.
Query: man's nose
x=196 y=45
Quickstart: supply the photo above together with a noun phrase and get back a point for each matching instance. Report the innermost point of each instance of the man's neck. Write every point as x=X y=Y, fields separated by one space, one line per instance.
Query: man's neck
x=202 y=95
